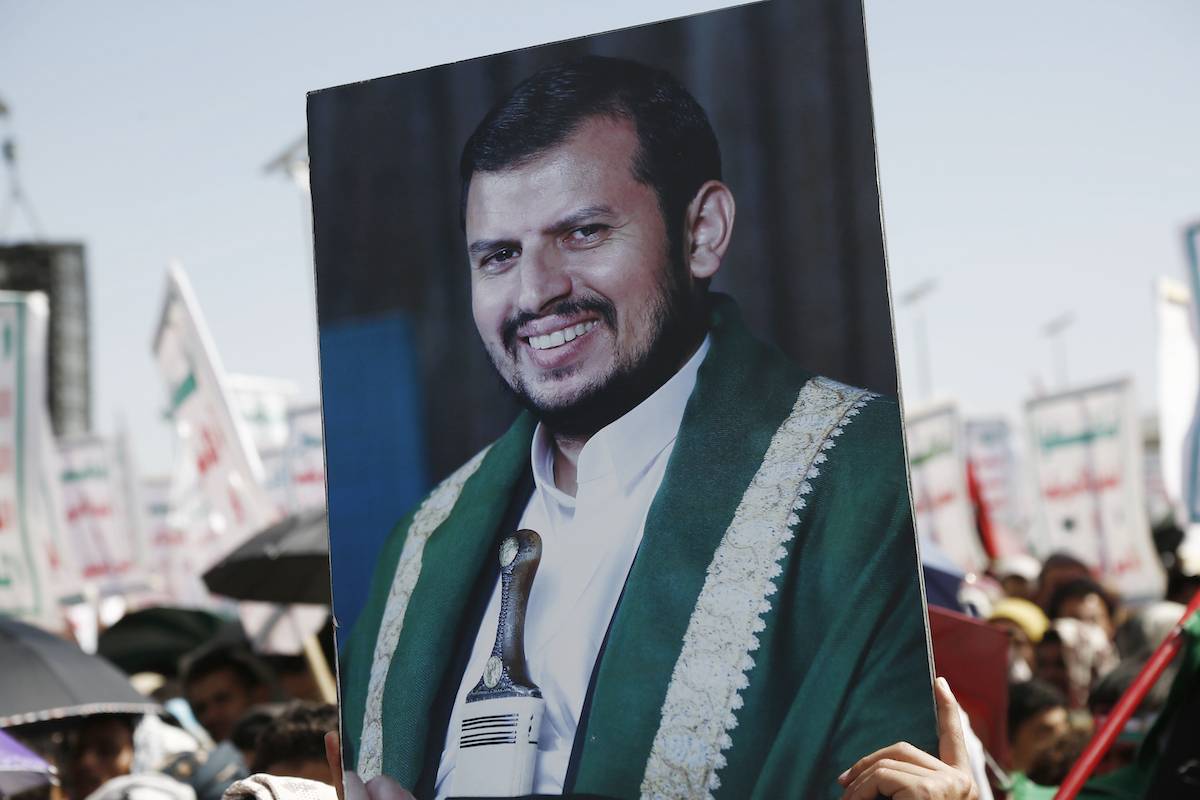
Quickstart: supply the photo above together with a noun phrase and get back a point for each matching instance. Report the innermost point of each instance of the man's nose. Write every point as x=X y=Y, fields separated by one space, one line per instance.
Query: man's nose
x=544 y=279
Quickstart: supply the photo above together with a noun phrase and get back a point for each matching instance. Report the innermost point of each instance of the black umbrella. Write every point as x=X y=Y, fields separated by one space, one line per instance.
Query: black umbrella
x=43 y=677
x=286 y=563
x=154 y=639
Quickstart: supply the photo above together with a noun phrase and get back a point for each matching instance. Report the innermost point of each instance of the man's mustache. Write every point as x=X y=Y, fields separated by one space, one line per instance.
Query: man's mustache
x=567 y=308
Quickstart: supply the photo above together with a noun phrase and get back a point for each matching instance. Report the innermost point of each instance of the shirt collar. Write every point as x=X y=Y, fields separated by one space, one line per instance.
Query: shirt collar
x=626 y=446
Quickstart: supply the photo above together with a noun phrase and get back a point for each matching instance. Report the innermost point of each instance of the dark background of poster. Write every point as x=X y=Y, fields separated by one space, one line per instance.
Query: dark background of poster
x=408 y=393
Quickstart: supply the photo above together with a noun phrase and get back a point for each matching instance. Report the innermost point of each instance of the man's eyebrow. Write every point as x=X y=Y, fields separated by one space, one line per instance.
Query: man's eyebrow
x=579 y=217
x=481 y=246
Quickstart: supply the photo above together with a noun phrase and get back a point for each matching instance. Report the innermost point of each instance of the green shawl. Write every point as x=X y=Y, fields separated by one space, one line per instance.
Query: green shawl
x=771 y=631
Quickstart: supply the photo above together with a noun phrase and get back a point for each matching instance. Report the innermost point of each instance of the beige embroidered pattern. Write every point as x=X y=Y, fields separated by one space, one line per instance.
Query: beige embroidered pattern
x=432 y=513
x=704 y=693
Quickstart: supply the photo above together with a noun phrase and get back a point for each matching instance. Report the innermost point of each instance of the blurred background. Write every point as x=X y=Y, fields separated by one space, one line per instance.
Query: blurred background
x=159 y=397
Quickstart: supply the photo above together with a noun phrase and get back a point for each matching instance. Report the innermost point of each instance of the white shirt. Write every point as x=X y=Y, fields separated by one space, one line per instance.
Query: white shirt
x=588 y=545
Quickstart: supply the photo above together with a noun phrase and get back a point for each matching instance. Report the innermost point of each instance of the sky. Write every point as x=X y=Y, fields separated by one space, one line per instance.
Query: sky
x=1035 y=159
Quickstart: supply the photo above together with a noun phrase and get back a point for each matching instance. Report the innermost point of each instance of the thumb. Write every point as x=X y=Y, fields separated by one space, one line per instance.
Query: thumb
x=952 y=744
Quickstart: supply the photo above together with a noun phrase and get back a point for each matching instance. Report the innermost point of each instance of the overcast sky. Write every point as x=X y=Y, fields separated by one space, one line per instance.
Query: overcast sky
x=1035 y=159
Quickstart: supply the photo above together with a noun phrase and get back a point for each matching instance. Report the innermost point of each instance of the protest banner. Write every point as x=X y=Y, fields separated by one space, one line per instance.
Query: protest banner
x=1190 y=491
x=262 y=404
x=993 y=465
x=228 y=502
x=48 y=515
x=100 y=526
x=938 y=469
x=31 y=577
x=1178 y=385
x=306 y=459
x=1085 y=453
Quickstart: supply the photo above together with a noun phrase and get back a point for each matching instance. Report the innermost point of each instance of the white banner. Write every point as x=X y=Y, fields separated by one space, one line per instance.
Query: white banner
x=1086 y=458
x=173 y=566
x=1178 y=368
x=996 y=472
x=938 y=466
x=263 y=403
x=100 y=525
x=230 y=503
x=48 y=515
x=31 y=577
x=306 y=459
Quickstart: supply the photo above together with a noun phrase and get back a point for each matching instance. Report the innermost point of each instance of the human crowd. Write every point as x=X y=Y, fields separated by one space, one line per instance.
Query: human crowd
x=233 y=714
x=1074 y=648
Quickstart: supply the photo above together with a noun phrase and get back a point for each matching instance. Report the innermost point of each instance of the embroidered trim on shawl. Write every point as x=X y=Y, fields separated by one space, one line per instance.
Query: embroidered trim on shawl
x=431 y=514
x=710 y=673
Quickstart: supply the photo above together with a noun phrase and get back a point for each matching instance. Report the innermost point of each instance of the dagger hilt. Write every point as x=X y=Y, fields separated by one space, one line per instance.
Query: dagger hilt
x=502 y=717
x=506 y=673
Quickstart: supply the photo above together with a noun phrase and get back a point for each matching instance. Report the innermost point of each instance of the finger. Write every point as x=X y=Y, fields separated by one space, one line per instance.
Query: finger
x=900 y=751
x=886 y=781
x=333 y=757
x=381 y=787
x=952 y=744
x=355 y=788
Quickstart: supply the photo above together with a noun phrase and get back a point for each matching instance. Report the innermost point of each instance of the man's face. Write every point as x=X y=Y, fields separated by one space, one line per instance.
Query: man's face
x=572 y=286
x=104 y=751
x=219 y=699
x=1089 y=608
x=1038 y=734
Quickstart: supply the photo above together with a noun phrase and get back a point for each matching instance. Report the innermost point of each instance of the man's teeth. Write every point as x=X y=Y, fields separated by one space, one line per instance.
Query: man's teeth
x=558 y=338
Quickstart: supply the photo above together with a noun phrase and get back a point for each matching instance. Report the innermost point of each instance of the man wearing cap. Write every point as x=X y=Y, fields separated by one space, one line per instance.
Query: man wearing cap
x=728 y=600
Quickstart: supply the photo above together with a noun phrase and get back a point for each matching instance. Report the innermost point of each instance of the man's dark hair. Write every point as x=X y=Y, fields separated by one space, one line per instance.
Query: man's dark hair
x=677 y=149
x=296 y=733
x=247 y=729
x=234 y=658
x=1028 y=699
x=1077 y=589
x=1060 y=560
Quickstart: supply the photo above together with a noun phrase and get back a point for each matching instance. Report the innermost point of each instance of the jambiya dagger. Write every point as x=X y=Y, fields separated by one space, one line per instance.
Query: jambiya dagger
x=498 y=736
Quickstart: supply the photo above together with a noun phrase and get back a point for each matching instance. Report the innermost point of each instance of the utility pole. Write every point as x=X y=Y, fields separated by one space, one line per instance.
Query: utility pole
x=17 y=199
x=914 y=297
x=1053 y=330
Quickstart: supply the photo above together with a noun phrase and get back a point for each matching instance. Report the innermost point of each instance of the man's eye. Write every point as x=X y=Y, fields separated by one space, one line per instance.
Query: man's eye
x=586 y=233
x=499 y=257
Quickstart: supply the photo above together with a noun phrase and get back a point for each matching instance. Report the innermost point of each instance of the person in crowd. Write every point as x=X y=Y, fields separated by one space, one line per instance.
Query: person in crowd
x=1057 y=569
x=209 y=772
x=221 y=684
x=100 y=749
x=1017 y=574
x=1025 y=625
x=1037 y=721
x=293 y=743
x=1145 y=629
x=1050 y=766
x=1084 y=599
x=1072 y=656
x=247 y=729
x=664 y=453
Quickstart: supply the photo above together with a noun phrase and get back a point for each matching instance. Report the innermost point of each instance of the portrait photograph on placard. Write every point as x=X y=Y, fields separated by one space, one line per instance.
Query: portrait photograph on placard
x=617 y=491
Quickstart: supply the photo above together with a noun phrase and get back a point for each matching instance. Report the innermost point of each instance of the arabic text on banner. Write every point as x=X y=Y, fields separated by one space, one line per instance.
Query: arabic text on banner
x=937 y=464
x=228 y=503
x=1086 y=456
x=993 y=463
x=31 y=559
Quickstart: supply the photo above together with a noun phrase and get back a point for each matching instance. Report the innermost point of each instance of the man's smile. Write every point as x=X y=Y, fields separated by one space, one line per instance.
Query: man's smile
x=561 y=336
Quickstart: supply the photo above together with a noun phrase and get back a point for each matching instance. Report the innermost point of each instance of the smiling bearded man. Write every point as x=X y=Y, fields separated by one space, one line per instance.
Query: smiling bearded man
x=728 y=601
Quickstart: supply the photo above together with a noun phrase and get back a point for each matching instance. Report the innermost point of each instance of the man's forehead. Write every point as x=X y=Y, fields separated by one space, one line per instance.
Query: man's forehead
x=592 y=167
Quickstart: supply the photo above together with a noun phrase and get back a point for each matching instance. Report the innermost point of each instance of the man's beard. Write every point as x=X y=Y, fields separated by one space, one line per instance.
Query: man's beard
x=675 y=318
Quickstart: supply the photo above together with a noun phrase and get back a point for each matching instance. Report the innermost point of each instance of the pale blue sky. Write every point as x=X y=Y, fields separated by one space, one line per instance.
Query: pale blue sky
x=1034 y=157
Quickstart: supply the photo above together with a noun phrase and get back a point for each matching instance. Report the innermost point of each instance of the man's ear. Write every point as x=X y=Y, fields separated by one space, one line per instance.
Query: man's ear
x=709 y=227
